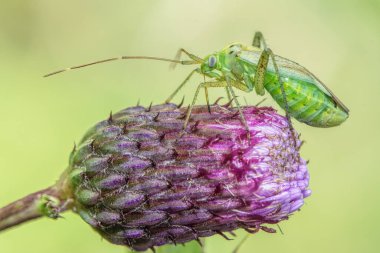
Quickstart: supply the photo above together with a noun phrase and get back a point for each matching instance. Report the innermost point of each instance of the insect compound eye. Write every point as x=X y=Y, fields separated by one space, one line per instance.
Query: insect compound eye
x=212 y=61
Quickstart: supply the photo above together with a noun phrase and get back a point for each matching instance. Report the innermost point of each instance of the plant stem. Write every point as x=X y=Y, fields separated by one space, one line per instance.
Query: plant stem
x=49 y=202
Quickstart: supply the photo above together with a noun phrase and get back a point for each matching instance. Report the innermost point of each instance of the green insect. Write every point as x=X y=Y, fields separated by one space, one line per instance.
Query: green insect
x=301 y=94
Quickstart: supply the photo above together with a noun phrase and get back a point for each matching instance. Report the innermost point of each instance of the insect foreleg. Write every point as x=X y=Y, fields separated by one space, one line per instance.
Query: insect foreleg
x=244 y=121
x=201 y=85
x=207 y=100
x=180 y=86
x=259 y=41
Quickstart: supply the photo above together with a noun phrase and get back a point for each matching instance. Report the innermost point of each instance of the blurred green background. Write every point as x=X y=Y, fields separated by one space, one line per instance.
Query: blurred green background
x=41 y=118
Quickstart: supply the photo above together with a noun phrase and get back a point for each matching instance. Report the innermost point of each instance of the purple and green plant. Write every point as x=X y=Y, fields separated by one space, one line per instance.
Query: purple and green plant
x=142 y=181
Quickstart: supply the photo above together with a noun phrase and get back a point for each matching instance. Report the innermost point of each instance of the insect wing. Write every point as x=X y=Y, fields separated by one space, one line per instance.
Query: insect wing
x=294 y=69
x=335 y=98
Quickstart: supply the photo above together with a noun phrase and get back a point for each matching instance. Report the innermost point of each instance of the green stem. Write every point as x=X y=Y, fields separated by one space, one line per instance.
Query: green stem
x=49 y=202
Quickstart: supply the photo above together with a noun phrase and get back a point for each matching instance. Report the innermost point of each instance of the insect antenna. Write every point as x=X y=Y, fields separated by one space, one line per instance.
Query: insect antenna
x=186 y=62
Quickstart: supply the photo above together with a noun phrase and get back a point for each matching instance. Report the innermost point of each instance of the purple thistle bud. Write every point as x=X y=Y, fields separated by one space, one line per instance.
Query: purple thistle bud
x=141 y=181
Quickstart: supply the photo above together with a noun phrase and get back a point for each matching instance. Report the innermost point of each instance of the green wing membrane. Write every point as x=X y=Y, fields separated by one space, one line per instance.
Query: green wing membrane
x=291 y=69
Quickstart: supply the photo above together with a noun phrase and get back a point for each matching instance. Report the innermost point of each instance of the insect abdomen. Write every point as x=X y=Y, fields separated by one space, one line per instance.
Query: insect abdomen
x=306 y=102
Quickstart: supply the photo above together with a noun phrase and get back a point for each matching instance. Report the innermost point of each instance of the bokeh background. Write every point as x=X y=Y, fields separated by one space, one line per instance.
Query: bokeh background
x=41 y=118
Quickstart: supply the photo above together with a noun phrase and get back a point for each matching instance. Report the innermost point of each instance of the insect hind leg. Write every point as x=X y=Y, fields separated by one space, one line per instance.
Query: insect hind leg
x=259 y=41
x=280 y=81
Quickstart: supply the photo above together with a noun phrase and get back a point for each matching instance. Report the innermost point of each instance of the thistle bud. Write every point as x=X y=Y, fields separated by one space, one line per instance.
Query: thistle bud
x=141 y=180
